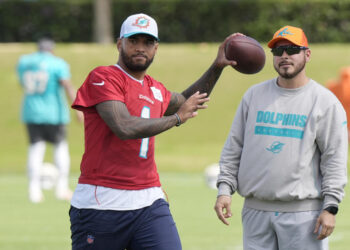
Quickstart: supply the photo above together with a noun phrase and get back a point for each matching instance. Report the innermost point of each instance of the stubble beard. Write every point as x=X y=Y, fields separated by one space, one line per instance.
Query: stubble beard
x=284 y=74
x=133 y=66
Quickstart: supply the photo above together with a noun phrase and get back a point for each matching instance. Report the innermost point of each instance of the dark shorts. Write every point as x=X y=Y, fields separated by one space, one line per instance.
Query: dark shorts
x=46 y=132
x=150 y=228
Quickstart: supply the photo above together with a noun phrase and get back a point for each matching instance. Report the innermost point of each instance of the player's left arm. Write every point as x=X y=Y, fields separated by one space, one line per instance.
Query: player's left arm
x=205 y=83
x=175 y=103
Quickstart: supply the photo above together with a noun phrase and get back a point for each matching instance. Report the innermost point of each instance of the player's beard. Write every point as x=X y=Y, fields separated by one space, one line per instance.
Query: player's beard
x=133 y=66
x=289 y=75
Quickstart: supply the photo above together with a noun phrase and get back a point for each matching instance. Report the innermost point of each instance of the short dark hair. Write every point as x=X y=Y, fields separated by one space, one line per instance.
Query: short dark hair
x=46 y=44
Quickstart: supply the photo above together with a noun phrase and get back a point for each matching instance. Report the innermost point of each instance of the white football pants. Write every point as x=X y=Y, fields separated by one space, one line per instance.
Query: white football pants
x=61 y=158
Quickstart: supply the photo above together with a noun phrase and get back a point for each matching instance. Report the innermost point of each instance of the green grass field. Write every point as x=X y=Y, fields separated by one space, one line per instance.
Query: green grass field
x=182 y=153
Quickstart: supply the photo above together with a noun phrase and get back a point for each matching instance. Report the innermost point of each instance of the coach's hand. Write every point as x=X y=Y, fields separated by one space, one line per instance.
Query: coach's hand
x=326 y=221
x=223 y=208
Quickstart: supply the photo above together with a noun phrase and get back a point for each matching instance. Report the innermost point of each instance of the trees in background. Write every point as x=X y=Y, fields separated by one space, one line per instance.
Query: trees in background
x=179 y=20
x=102 y=21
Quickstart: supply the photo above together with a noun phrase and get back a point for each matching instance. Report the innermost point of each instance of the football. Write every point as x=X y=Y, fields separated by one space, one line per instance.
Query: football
x=48 y=175
x=247 y=52
x=211 y=174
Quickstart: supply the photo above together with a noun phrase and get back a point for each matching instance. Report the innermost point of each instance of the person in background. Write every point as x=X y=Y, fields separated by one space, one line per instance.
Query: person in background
x=119 y=203
x=286 y=154
x=341 y=88
x=45 y=79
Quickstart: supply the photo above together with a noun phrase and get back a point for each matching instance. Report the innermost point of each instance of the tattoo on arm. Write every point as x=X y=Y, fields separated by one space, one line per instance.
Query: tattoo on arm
x=206 y=83
x=117 y=117
x=175 y=102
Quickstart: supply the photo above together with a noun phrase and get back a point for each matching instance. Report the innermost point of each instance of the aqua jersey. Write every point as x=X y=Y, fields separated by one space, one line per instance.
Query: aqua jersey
x=44 y=99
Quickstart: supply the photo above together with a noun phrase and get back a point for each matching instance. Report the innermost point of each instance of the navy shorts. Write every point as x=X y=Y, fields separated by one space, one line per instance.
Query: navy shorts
x=151 y=227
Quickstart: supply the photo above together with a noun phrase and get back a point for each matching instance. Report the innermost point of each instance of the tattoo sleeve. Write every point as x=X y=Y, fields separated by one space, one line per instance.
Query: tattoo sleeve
x=176 y=101
x=206 y=83
x=117 y=117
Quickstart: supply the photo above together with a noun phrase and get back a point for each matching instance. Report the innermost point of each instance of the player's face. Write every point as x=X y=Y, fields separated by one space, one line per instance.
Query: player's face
x=289 y=66
x=137 y=52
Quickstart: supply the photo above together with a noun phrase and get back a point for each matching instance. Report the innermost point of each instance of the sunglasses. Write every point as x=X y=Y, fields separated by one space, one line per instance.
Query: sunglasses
x=291 y=50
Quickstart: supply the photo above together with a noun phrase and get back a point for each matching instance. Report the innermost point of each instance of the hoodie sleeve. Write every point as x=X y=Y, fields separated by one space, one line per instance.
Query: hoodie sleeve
x=332 y=140
x=231 y=152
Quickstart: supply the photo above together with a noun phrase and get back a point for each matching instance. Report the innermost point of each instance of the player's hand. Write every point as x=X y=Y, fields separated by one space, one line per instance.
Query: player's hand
x=324 y=225
x=223 y=208
x=221 y=60
x=189 y=108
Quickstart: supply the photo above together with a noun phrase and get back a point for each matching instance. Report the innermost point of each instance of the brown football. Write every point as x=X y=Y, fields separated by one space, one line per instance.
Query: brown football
x=247 y=52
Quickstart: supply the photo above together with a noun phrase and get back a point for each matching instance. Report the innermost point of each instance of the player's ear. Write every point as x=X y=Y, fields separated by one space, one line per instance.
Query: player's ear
x=119 y=43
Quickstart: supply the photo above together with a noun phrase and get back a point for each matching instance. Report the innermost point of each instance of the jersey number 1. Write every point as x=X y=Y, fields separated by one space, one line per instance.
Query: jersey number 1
x=145 y=113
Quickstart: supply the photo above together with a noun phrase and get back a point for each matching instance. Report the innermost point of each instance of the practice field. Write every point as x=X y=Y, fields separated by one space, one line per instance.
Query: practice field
x=181 y=153
x=26 y=226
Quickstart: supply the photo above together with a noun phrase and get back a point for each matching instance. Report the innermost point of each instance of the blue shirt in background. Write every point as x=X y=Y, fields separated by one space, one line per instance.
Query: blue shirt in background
x=44 y=99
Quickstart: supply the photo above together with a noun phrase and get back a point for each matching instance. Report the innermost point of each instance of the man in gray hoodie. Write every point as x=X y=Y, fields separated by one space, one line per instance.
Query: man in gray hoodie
x=286 y=154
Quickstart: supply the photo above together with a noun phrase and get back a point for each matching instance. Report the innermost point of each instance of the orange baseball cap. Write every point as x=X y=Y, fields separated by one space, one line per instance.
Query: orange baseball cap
x=293 y=34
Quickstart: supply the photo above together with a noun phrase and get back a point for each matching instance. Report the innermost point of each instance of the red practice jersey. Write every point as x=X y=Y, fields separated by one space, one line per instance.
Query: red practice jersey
x=109 y=161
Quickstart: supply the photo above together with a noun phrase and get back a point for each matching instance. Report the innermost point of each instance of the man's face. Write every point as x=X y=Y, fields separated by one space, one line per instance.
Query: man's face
x=137 y=52
x=289 y=66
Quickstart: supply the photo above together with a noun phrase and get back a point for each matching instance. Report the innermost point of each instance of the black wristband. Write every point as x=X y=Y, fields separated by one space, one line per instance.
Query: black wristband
x=178 y=120
x=332 y=209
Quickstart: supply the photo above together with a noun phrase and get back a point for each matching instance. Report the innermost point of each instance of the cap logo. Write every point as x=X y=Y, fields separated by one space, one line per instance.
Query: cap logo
x=141 y=22
x=284 y=32
x=292 y=34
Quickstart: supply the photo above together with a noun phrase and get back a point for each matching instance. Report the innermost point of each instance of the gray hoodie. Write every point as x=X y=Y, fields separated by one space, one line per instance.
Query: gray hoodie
x=287 y=149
